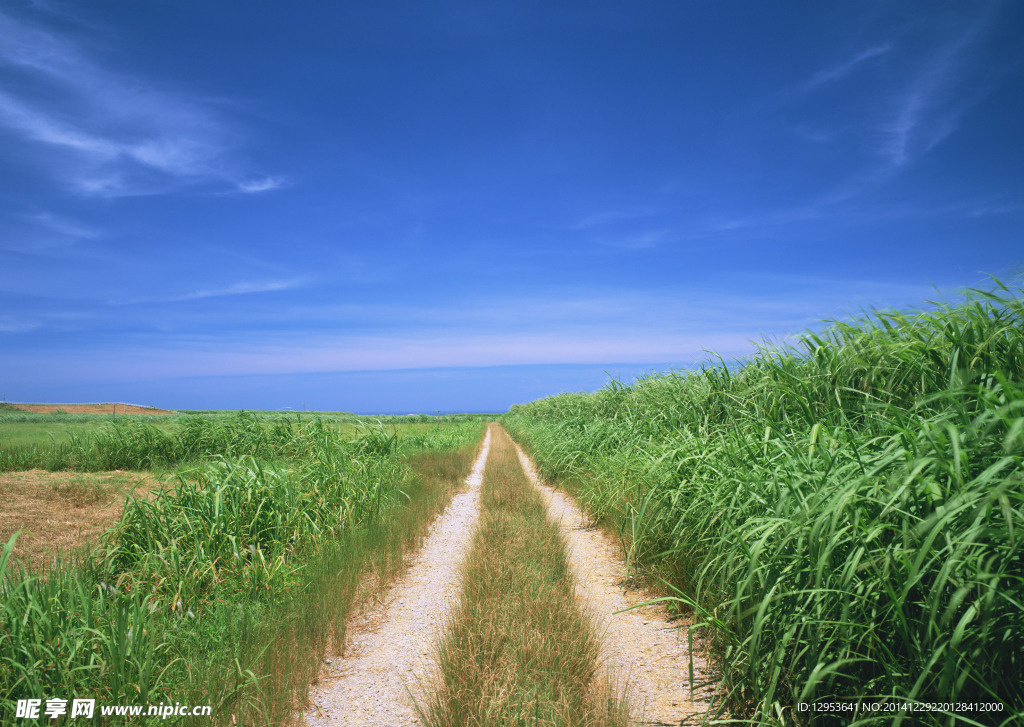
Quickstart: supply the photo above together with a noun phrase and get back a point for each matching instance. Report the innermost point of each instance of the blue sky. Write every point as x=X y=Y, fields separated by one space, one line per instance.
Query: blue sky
x=398 y=206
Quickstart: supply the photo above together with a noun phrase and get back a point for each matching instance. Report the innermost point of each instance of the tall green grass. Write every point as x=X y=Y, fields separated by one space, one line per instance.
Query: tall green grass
x=203 y=593
x=845 y=515
x=137 y=444
x=147 y=442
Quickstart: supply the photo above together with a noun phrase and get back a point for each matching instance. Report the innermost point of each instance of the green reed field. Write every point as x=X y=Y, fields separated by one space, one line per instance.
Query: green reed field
x=98 y=442
x=845 y=515
x=19 y=429
x=229 y=587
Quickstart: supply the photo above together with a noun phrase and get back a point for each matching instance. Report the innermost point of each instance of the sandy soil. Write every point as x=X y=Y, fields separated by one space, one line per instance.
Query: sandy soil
x=641 y=648
x=389 y=650
x=60 y=512
x=91 y=408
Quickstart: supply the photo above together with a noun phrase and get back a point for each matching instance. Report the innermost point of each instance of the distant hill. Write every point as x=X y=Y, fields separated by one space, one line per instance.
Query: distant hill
x=108 y=408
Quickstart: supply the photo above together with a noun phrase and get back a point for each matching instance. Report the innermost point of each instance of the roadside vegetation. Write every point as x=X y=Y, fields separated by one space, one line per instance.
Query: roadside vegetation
x=844 y=515
x=20 y=430
x=103 y=442
x=228 y=586
x=520 y=650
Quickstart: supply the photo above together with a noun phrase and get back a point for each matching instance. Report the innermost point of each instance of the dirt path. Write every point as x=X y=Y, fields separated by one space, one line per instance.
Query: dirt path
x=641 y=648
x=389 y=650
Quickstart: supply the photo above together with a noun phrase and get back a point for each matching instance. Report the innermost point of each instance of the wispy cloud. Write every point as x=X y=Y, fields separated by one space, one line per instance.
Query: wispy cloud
x=41 y=315
x=835 y=73
x=627 y=228
x=934 y=101
x=743 y=305
x=65 y=226
x=362 y=353
x=240 y=288
x=107 y=133
x=41 y=233
x=605 y=218
x=932 y=80
x=988 y=210
x=638 y=240
x=265 y=184
x=585 y=327
x=14 y=324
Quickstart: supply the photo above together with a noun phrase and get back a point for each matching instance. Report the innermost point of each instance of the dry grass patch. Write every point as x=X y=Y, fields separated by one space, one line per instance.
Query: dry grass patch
x=107 y=408
x=62 y=512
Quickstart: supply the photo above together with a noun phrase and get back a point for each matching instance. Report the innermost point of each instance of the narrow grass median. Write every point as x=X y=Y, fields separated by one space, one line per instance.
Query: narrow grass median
x=521 y=650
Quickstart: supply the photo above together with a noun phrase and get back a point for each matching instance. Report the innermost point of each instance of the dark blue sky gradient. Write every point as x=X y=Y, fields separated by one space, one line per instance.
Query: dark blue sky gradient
x=460 y=206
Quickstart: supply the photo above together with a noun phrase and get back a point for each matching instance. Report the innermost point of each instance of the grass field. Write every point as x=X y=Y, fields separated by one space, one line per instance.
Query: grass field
x=98 y=442
x=844 y=516
x=842 y=519
x=41 y=430
x=227 y=585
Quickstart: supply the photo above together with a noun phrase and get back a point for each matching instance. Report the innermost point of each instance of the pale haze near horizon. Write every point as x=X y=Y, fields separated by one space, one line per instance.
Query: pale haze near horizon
x=400 y=208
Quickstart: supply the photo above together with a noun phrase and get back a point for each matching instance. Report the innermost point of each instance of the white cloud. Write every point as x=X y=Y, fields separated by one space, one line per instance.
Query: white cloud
x=362 y=353
x=266 y=184
x=637 y=241
x=103 y=132
x=240 y=288
x=835 y=73
x=43 y=233
x=930 y=85
x=987 y=210
x=581 y=327
x=933 y=103
x=606 y=218
x=65 y=226
x=12 y=324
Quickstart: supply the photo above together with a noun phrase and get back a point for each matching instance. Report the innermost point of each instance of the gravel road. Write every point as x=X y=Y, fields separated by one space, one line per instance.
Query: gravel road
x=389 y=649
x=641 y=648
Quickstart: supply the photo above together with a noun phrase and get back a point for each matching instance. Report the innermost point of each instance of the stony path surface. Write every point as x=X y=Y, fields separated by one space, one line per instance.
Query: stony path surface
x=389 y=649
x=641 y=648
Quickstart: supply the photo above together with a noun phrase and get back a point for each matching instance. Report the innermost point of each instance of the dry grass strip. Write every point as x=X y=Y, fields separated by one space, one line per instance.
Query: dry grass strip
x=60 y=513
